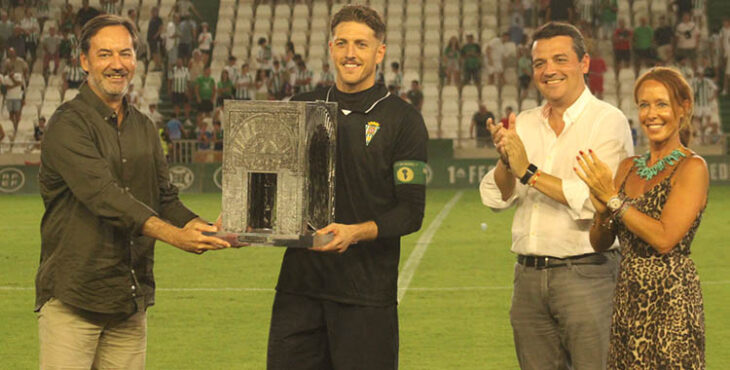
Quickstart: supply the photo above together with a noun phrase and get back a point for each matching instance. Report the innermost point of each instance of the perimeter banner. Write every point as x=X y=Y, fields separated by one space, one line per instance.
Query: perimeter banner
x=207 y=177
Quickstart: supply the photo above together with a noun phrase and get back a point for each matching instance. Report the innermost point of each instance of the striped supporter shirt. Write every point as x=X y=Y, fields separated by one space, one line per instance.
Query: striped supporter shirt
x=243 y=87
x=180 y=78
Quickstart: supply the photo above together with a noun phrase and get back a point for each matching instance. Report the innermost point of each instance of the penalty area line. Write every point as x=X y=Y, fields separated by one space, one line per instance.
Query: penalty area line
x=409 y=269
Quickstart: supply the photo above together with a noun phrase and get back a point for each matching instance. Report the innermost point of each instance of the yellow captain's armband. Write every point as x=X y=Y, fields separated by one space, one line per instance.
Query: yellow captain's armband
x=410 y=172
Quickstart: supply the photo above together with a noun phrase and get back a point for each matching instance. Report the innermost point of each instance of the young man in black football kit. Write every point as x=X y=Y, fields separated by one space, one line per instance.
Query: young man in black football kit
x=335 y=305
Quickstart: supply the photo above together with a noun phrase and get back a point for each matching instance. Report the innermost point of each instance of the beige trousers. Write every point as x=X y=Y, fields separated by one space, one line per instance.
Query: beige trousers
x=71 y=338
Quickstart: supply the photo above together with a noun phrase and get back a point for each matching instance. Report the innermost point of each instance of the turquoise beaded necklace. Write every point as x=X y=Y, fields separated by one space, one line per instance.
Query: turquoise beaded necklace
x=647 y=173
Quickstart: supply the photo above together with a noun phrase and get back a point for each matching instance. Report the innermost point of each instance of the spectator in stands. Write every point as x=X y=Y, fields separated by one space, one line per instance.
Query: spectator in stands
x=396 y=80
x=175 y=130
x=596 y=70
x=608 y=14
x=622 y=37
x=452 y=61
x=494 y=54
x=154 y=37
x=109 y=6
x=516 y=31
x=687 y=37
x=85 y=13
x=524 y=71
x=705 y=93
x=263 y=55
x=178 y=84
x=187 y=32
x=725 y=55
x=6 y=29
x=561 y=10
x=205 y=94
x=51 y=50
x=326 y=77
x=17 y=11
x=225 y=89
x=682 y=7
x=415 y=95
x=204 y=135
x=17 y=42
x=132 y=15
x=584 y=10
x=31 y=32
x=683 y=65
x=289 y=63
x=479 y=122
x=303 y=78
x=232 y=68
x=663 y=40
x=155 y=115
x=643 y=37
x=205 y=43
x=278 y=81
x=14 y=84
x=68 y=18
x=73 y=75
x=471 y=56
x=186 y=8
x=15 y=64
x=171 y=39
x=244 y=84
x=196 y=65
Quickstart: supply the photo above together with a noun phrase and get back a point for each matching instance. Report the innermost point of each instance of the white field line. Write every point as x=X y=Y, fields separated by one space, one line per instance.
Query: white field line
x=271 y=290
x=405 y=276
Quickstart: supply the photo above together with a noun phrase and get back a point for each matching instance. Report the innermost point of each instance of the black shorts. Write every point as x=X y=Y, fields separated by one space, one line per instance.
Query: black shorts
x=179 y=98
x=154 y=46
x=524 y=82
x=311 y=333
x=73 y=84
x=623 y=55
x=205 y=106
x=183 y=51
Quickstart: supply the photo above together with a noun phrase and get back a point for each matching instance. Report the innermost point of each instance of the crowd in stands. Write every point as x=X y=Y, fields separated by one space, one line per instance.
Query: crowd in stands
x=615 y=47
x=177 y=49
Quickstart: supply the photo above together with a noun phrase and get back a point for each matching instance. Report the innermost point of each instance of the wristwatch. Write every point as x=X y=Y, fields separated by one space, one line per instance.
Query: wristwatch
x=614 y=203
x=531 y=169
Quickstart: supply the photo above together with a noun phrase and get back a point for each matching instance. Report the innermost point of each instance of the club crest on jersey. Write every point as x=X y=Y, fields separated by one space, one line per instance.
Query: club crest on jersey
x=371 y=129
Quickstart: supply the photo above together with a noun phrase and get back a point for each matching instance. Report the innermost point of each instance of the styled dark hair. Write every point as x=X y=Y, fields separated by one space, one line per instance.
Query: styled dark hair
x=360 y=14
x=679 y=93
x=106 y=20
x=553 y=29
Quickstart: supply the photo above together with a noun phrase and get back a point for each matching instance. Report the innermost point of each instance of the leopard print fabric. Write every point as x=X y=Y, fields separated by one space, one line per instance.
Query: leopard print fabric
x=658 y=318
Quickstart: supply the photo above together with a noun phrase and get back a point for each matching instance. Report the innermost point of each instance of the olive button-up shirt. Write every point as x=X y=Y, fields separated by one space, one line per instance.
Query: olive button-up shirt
x=100 y=181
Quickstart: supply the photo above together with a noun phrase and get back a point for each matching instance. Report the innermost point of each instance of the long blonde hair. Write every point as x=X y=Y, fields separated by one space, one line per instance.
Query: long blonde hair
x=680 y=93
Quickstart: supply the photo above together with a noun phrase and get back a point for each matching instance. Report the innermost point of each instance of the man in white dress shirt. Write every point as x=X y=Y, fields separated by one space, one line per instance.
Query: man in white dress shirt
x=562 y=300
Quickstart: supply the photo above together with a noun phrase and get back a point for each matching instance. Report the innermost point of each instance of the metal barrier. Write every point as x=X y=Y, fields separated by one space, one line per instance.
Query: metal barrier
x=182 y=151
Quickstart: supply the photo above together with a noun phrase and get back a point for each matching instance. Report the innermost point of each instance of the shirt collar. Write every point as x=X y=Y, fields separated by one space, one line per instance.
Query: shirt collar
x=367 y=99
x=90 y=97
x=574 y=111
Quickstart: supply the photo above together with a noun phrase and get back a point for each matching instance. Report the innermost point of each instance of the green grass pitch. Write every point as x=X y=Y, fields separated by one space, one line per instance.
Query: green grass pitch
x=213 y=310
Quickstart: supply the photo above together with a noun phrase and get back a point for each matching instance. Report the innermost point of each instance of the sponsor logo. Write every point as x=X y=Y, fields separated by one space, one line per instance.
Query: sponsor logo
x=11 y=180
x=182 y=177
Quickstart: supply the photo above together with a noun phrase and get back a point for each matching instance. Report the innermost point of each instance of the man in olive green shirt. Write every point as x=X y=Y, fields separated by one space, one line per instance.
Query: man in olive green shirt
x=104 y=183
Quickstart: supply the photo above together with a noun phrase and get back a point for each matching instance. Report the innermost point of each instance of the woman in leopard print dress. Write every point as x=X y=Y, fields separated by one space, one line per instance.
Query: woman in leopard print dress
x=654 y=205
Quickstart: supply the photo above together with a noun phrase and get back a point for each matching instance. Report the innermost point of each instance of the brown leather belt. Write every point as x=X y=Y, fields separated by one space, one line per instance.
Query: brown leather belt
x=546 y=262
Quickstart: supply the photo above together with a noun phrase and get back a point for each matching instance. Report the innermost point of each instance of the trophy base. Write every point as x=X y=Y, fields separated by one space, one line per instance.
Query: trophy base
x=264 y=239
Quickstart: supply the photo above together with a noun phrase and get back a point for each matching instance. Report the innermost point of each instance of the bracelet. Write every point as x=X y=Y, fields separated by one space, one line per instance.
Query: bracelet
x=531 y=169
x=533 y=180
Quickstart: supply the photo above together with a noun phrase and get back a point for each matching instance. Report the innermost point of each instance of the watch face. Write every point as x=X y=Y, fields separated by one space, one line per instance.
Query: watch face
x=614 y=203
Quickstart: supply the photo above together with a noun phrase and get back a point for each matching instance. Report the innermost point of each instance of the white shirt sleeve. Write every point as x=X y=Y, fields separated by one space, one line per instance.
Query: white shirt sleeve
x=492 y=196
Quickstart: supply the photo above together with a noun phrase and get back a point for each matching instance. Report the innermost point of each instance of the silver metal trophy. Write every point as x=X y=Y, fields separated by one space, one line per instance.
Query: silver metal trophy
x=278 y=172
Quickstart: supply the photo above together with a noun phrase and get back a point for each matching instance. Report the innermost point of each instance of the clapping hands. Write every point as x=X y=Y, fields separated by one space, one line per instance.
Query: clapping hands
x=599 y=178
